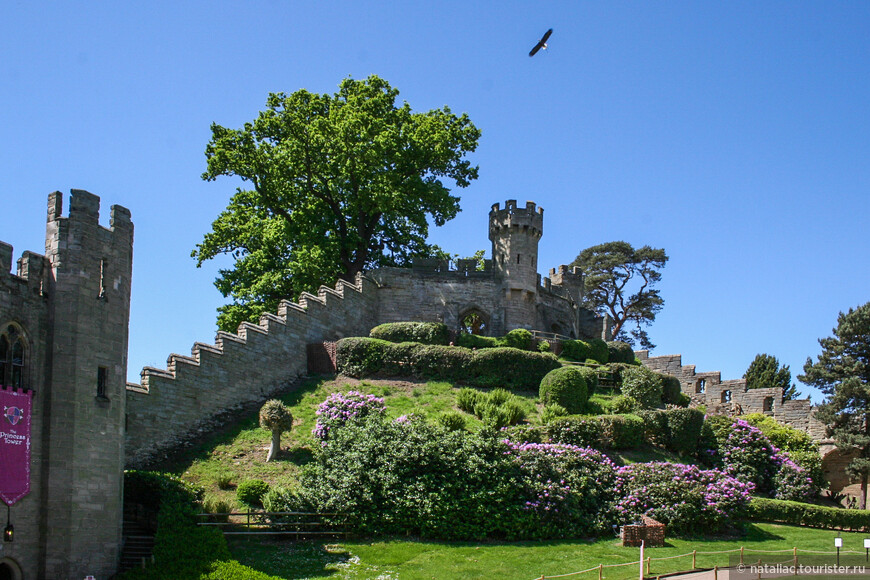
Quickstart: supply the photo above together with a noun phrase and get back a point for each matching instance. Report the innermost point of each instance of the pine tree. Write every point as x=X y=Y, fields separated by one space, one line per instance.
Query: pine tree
x=764 y=372
x=842 y=372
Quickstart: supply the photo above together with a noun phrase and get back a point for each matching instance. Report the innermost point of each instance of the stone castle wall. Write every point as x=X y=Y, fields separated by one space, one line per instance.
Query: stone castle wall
x=733 y=397
x=171 y=404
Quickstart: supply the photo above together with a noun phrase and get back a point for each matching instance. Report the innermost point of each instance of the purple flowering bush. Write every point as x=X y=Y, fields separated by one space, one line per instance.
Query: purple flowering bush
x=684 y=497
x=747 y=454
x=567 y=489
x=339 y=408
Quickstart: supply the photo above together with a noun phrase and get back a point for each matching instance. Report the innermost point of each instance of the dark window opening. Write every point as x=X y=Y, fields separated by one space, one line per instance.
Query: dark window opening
x=726 y=396
x=767 y=406
x=12 y=357
x=701 y=386
x=518 y=258
x=102 y=379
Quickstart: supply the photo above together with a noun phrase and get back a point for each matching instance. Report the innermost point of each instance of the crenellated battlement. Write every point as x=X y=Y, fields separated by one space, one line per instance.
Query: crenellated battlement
x=529 y=220
x=31 y=272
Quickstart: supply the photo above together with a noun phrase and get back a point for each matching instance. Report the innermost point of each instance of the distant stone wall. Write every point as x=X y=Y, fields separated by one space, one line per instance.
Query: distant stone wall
x=733 y=397
x=171 y=404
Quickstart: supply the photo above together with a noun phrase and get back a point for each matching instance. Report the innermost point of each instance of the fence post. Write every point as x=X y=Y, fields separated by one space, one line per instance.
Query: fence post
x=795 y=560
x=741 y=554
x=600 y=571
x=648 y=558
x=715 y=572
x=694 y=552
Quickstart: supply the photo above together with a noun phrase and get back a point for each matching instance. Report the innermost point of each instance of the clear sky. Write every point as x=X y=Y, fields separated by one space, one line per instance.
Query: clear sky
x=733 y=134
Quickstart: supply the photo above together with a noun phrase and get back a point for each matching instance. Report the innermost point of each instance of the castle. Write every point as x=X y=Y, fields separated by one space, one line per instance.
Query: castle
x=63 y=341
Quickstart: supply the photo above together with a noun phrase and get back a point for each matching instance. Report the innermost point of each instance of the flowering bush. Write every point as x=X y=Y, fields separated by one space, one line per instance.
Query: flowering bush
x=339 y=408
x=791 y=481
x=684 y=497
x=568 y=489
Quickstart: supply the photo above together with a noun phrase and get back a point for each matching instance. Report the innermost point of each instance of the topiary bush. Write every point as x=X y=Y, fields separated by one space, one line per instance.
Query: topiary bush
x=620 y=431
x=622 y=404
x=360 y=357
x=509 y=367
x=599 y=351
x=423 y=332
x=576 y=350
x=476 y=341
x=251 y=492
x=544 y=346
x=518 y=338
x=813 y=516
x=575 y=430
x=642 y=385
x=620 y=352
x=565 y=386
x=591 y=376
x=672 y=391
x=275 y=416
x=684 y=430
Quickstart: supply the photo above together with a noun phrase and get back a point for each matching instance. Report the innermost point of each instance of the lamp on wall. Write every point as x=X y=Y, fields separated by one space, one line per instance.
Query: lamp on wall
x=9 y=530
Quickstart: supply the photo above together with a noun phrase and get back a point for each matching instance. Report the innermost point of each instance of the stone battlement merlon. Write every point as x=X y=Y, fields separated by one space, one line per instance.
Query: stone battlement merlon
x=31 y=267
x=529 y=218
x=84 y=207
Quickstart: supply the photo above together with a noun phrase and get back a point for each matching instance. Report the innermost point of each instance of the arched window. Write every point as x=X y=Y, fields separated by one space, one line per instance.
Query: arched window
x=474 y=322
x=12 y=357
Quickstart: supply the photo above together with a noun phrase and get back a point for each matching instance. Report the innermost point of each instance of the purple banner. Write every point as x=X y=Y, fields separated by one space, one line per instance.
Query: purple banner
x=14 y=444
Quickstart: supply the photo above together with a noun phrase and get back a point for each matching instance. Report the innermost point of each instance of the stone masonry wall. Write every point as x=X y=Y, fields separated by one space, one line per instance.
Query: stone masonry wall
x=733 y=397
x=171 y=404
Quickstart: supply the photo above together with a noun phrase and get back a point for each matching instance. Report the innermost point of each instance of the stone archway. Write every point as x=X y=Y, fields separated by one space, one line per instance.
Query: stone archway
x=10 y=570
x=474 y=321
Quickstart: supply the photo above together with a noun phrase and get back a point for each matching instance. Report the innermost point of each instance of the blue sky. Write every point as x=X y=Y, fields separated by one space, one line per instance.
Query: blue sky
x=733 y=134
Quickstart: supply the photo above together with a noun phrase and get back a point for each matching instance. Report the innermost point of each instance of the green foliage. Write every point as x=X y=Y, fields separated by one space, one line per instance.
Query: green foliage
x=672 y=391
x=509 y=367
x=467 y=399
x=764 y=372
x=476 y=341
x=842 y=372
x=600 y=431
x=213 y=505
x=591 y=376
x=624 y=404
x=642 y=385
x=655 y=427
x=609 y=270
x=599 y=351
x=340 y=183
x=543 y=346
x=551 y=412
x=280 y=499
x=423 y=332
x=684 y=430
x=804 y=514
x=620 y=431
x=275 y=416
x=251 y=492
x=498 y=408
x=620 y=352
x=565 y=386
x=576 y=350
x=579 y=430
x=451 y=420
x=801 y=448
x=182 y=549
x=518 y=338
x=360 y=357
x=524 y=433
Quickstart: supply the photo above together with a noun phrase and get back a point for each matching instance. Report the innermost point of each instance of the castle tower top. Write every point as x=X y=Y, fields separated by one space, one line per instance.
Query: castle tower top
x=529 y=219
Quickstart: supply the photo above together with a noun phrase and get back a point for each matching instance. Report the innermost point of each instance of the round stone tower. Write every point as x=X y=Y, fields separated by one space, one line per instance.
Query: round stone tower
x=515 y=233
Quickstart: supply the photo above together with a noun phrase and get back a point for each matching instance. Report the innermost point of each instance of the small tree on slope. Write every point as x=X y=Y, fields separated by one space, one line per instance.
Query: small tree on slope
x=275 y=417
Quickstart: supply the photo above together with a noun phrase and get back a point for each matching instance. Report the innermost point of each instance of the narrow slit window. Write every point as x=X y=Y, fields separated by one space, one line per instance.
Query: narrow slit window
x=102 y=379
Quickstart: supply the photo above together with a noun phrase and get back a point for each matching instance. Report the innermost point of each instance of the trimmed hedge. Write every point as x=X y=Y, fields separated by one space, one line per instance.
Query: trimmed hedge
x=576 y=350
x=643 y=385
x=491 y=367
x=671 y=390
x=518 y=338
x=599 y=431
x=805 y=514
x=424 y=332
x=599 y=351
x=565 y=386
x=476 y=341
x=620 y=352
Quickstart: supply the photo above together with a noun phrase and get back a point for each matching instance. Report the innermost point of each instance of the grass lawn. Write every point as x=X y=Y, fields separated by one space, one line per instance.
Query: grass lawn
x=406 y=559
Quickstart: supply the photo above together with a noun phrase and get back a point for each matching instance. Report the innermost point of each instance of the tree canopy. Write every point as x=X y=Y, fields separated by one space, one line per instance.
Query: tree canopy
x=764 y=372
x=339 y=183
x=842 y=371
x=619 y=281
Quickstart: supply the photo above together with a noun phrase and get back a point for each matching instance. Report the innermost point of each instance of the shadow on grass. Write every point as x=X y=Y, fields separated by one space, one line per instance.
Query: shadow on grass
x=229 y=429
x=300 y=456
x=289 y=558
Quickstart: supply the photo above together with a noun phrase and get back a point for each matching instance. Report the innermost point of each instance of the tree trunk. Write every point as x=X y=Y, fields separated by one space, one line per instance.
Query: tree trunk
x=275 y=447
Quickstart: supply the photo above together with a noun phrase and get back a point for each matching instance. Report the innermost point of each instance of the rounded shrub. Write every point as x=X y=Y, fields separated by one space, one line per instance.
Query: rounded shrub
x=622 y=404
x=565 y=386
x=543 y=346
x=576 y=350
x=251 y=492
x=476 y=341
x=591 y=376
x=599 y=351
x=424 y=332
x=620 y=352
x=359 y=357
x=509 y=367
x=642 y=385
x=672 y=390
x=518 y=338
x=451 y=420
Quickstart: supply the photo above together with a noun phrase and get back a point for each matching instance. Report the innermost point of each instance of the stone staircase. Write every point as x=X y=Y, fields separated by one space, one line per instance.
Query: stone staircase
x=138 y=542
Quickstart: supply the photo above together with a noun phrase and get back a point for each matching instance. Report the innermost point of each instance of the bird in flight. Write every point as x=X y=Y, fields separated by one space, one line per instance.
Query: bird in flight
x=541 y=43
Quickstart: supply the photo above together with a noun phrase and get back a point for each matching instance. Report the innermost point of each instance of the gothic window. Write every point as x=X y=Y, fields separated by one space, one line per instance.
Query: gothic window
x=473 y=322
x=12 y=357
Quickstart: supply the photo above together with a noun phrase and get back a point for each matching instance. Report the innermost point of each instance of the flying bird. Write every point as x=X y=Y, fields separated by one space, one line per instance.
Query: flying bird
x=541 y=43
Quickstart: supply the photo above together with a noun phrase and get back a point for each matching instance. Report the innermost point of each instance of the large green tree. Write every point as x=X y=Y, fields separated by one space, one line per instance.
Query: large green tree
x=338 y=183
x=764 y=372
x=842 y=372
x=619 y=281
